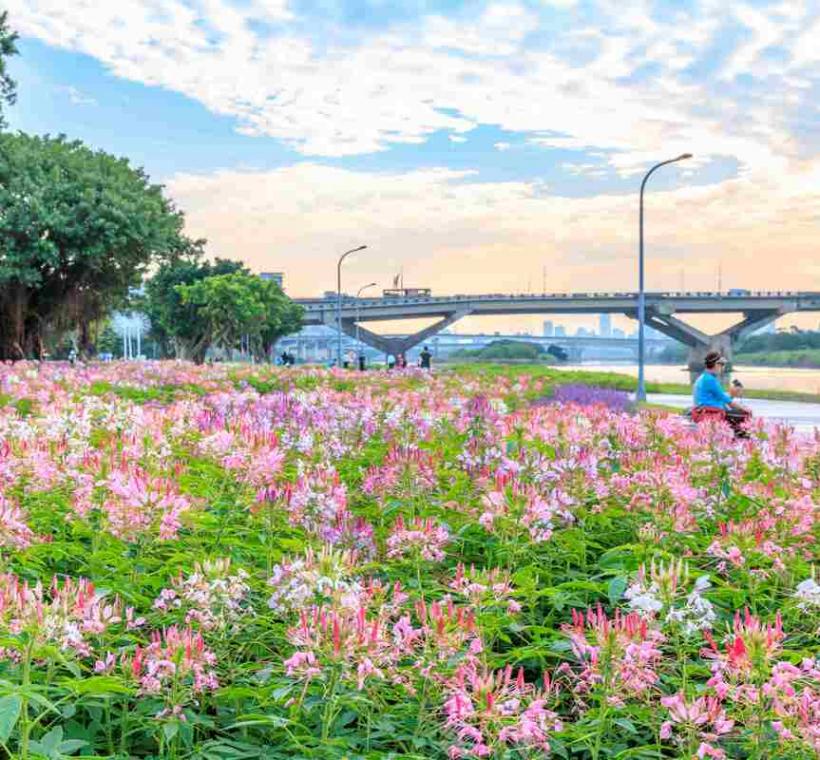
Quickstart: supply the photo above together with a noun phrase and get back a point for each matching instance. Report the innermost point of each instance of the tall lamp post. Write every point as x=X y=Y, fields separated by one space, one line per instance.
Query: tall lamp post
x=641 y=395
x=339 y=301
x=358 y=293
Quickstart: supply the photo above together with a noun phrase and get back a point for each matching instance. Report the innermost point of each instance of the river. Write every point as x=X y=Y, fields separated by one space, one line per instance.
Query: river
x=759 y=378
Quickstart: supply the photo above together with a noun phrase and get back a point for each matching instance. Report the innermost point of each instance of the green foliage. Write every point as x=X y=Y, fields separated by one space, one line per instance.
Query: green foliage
x=506 y=350
x=176 y=325
x=232 y=306
x=78 y=230
x=8 y=48
x=795 y=340
x=801 y=357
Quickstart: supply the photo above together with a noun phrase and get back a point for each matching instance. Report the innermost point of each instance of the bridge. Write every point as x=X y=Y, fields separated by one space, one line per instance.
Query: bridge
x=758 y=309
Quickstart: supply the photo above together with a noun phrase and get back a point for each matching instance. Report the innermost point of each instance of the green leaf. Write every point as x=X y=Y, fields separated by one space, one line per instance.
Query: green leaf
x=170 y=730
x=616 y=589
x=9 y=714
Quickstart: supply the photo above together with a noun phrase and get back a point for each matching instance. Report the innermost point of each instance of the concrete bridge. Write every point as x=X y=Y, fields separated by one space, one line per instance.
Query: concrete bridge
x=758 y=309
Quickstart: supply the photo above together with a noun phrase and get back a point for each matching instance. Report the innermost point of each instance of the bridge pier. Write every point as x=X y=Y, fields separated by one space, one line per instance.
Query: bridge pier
x=700 y=343
x=398 y=345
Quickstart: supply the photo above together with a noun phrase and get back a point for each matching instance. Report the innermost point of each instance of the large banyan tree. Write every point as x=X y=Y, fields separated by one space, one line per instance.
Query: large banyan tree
x=78 y=229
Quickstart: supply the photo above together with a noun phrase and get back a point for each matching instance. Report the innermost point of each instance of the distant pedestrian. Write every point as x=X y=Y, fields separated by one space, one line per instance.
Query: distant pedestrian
x=425 y=358
x=72 y=357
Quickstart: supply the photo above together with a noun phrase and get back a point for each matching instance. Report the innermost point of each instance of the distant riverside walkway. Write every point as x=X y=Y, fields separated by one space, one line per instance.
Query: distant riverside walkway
x=802 y=416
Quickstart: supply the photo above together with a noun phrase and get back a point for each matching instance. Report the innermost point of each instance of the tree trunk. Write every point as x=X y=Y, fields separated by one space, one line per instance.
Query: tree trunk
x=13 y=303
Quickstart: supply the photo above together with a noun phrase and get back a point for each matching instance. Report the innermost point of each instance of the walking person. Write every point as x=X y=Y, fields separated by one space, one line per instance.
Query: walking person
x=425 y=358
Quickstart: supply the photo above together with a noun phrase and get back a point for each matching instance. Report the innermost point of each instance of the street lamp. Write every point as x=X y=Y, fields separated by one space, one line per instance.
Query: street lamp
x=358 y=293
x=339 y=300
x=641 y=394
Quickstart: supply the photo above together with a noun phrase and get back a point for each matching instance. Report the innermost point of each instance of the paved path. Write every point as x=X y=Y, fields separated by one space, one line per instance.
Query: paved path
x=804 y=417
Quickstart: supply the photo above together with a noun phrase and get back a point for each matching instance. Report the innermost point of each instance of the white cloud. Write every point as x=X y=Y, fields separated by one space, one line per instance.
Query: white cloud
x=346 y=95
x=502 y=146
x=457 y=138
x=78 y=98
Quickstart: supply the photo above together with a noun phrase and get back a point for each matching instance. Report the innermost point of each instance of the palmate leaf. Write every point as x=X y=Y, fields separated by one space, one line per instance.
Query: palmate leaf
x=10 y=707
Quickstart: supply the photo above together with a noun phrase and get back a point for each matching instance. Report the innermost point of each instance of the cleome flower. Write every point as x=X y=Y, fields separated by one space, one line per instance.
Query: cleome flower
x=14 y=532
x=421 y=538
x=622 y=650
x=493 y=712
x=326 y=578
x=68 y=613
x=211 y=596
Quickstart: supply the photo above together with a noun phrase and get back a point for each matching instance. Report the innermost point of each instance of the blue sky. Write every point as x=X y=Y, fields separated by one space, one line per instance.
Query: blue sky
x=473 y=143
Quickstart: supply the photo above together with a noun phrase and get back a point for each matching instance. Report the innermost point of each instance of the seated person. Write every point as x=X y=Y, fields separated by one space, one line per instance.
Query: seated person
x=712 y=402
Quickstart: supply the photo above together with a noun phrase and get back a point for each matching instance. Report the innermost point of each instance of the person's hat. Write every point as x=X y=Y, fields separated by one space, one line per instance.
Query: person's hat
x=713 y=358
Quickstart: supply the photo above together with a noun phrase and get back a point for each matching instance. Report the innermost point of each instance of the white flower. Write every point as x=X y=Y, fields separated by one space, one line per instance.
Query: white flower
x=643 y=600
x=808 y=592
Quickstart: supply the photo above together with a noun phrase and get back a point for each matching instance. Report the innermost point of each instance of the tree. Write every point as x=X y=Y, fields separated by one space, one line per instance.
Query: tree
x=8 y=48
x=231 y=307
x=78 y=229
x=175 y=325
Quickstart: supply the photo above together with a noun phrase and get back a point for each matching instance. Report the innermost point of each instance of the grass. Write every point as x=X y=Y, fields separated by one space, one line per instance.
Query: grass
x=802 y=357
x=618 y=381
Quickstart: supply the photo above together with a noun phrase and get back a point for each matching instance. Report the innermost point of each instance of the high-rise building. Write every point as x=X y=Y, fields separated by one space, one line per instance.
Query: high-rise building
x=549 y=329
x=560 y=331
x=277 y=277
x=605 y=325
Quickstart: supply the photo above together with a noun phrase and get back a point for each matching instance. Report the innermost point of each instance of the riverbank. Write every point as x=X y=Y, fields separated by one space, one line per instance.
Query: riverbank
x=808 y=358
x=621 y=380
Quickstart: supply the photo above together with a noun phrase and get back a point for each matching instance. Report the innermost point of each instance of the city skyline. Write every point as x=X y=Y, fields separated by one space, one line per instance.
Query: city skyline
x=478 y=147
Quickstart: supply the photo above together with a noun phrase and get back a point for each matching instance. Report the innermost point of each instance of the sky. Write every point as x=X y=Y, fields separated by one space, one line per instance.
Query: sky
x=473 y=146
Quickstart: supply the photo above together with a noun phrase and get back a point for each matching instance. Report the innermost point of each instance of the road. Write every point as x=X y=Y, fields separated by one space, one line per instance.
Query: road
x=803 y=417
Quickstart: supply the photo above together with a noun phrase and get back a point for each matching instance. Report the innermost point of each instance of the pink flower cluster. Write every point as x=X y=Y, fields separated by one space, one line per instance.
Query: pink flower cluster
x=138 y=504
x=14 y=531
x=622 y=653
x=493 y=713
x=422 y=537
x=176 y=666
x=406 y=470
x=485 y=588
x=67 y=613
x=212 y=596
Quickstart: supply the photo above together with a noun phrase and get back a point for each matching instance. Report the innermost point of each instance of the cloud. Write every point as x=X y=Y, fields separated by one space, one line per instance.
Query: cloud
x=457 y=138
x=341 y=92
x=502 y=146
x=479 y=236
x=78 y=98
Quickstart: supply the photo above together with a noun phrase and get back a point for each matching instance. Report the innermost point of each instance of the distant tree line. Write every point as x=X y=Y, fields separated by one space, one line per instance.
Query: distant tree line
x=505 y=350
x=81 y=232
x=793 y=340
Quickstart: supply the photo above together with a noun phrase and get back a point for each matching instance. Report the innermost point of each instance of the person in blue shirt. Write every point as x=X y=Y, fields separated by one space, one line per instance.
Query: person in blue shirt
x=711 y=401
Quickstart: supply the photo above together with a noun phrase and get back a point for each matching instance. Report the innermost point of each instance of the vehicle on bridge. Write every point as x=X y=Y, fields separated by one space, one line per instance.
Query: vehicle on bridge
x=405 y=292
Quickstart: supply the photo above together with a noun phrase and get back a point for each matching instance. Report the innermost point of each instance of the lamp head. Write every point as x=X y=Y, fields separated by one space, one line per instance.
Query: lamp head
x=684 y=156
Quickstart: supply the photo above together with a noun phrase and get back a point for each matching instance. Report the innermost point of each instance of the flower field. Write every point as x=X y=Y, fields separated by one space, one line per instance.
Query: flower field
x=244 y=562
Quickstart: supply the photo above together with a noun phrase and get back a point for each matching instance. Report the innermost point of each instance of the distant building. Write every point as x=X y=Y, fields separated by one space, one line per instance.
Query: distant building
x=277 y=277
x=618 y=333
x=560 y=331
x=605 y=325
x=549 y=329
x=582 y=332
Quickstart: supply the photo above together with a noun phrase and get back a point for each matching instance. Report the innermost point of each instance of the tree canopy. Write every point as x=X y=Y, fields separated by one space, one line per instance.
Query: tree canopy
x=233 y=307
x=500 y=350
x=8 y=48
x=78 y=230
x=175 y=325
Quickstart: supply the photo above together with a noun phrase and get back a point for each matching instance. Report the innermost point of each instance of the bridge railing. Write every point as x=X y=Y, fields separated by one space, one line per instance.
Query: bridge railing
x=461 y=297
